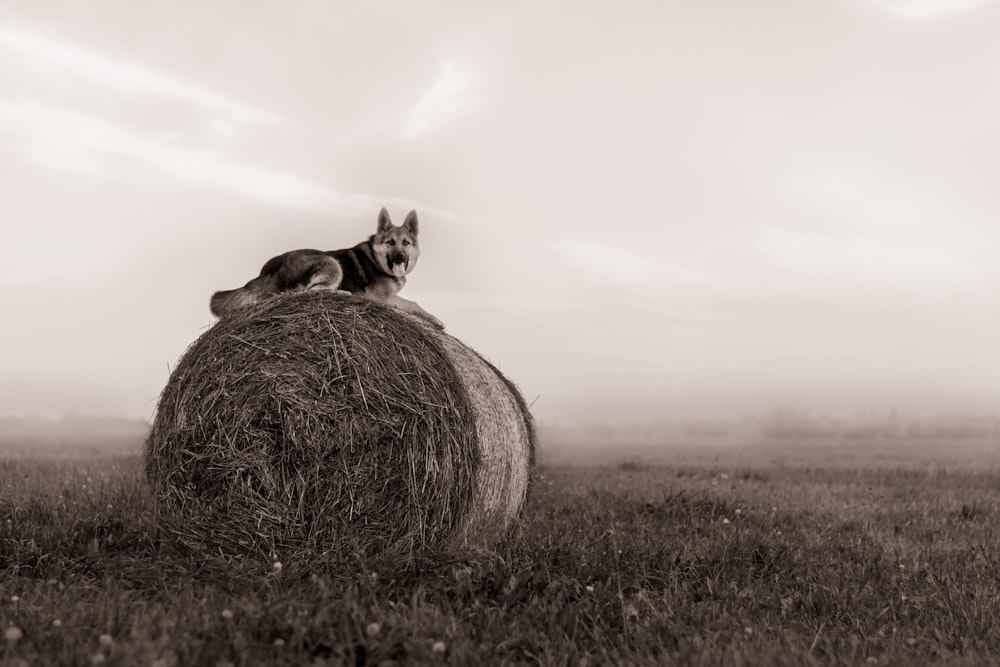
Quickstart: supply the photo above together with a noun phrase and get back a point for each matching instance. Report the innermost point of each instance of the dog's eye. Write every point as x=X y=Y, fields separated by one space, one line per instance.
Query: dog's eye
x=406 y=242
x=391 y=241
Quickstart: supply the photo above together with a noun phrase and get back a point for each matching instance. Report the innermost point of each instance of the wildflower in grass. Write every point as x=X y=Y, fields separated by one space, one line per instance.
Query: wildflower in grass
x=725 y=521
x=590 y=589
x=724 y=476
x=56 y=623
x=276 y=566
x=373 y=629
x=738 y=511
x=439 y=647
x=13 y=634
x=226 y=614
x=15 y=599
x=279 y=642
x=106 y=640
x=97 y=659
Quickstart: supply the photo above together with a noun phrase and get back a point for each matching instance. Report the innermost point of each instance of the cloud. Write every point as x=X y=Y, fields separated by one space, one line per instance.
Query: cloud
x=32 y=255
x=118 y=74
x=449 y=96
x=53 y=155
x=927 y=9
x=62 y=139
x=858 y=263
x=626 y=268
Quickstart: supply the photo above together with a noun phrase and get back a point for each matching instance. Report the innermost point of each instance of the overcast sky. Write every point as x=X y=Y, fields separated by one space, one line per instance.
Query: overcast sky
x=637 y=210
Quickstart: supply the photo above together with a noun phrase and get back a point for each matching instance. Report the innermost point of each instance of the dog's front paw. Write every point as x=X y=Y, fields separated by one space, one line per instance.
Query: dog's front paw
x=435 y=321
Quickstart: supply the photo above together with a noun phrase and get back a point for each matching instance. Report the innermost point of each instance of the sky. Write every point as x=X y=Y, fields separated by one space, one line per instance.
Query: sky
x=637 y=210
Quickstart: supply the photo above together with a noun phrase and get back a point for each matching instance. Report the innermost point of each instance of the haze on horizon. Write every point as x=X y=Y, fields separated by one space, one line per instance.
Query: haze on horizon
x=636 y=211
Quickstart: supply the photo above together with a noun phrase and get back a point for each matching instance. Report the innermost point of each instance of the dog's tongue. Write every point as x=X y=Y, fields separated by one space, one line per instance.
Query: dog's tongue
x=399 y=269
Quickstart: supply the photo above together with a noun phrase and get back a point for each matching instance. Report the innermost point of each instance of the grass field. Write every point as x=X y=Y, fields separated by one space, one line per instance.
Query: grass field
x=776 y=553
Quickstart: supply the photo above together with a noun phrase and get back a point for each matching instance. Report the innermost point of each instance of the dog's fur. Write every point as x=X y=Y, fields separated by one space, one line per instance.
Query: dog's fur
x=376 y=268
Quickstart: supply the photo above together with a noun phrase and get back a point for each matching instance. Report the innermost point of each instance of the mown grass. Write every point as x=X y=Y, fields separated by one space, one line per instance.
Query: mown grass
x=727 y=559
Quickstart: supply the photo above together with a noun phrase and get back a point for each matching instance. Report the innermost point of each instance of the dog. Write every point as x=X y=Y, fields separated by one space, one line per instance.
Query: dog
x=376 y=268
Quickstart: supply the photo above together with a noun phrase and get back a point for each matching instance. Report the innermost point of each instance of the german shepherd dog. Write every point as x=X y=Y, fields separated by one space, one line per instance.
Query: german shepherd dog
x=376 y=268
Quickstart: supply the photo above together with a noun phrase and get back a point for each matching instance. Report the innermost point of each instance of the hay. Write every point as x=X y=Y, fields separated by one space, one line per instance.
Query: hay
x=329 y=423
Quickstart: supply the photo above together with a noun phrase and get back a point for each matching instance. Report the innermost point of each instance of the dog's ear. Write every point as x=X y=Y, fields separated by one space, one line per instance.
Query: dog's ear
x=410 y=224
x=384 y=223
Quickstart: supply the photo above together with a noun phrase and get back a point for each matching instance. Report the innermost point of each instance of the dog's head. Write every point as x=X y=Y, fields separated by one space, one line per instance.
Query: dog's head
x=396 y=248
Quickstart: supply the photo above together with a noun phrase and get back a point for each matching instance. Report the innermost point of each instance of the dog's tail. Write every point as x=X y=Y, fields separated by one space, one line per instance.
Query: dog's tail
x=225 y=302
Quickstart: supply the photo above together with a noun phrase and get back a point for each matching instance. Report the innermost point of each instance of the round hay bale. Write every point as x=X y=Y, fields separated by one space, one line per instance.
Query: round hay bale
x=327 y=422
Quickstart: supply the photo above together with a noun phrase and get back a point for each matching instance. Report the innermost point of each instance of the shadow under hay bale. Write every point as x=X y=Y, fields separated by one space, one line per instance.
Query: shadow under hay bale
x=337 y=425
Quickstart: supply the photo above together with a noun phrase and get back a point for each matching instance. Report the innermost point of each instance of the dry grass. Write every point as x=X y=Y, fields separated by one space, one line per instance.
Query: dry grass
x=324 y=423
x=731 y=557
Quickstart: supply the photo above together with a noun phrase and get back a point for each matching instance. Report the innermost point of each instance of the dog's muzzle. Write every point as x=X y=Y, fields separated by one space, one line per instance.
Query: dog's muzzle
x=398 y=263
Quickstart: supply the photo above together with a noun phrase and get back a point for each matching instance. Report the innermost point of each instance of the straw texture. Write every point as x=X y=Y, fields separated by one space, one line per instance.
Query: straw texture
x=331 y=423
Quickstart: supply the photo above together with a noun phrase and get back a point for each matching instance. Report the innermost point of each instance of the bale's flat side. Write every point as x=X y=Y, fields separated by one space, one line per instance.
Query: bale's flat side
x=506 y=445
x=525 y=412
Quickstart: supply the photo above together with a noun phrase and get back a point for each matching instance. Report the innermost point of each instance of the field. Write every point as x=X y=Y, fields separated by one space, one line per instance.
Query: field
x=694 y=553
